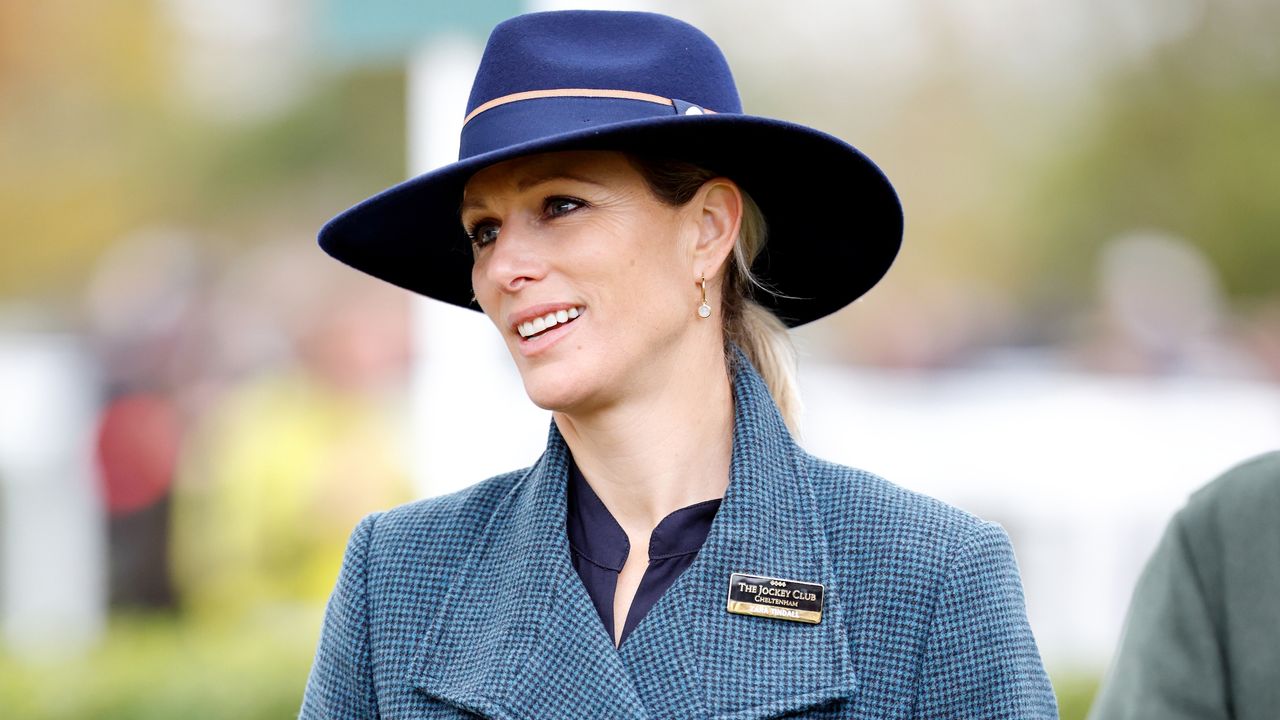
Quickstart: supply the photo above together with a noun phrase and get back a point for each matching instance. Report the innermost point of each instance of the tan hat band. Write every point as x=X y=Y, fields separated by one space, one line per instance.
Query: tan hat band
x=573 y=92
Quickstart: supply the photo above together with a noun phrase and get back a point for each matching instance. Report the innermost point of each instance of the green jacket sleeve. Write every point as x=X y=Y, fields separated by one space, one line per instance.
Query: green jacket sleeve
x=1169 y=665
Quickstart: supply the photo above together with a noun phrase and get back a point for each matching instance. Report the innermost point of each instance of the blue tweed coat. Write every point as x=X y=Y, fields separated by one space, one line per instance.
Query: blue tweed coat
x=469 y=604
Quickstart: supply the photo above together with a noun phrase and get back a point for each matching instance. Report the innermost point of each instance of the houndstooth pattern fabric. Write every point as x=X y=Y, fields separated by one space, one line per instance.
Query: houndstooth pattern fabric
x=468 y=605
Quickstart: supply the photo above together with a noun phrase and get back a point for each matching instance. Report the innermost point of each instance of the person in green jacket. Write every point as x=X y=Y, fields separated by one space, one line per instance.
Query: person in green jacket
x=1202 y=639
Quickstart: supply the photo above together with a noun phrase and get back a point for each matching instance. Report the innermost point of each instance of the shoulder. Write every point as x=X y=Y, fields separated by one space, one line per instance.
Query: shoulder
x=865 y=513
x=895 y=547
x=1226 y=534
x=1233 y=517
x=929 y=563
x=933 y=587
x=438 y=530
x=1248 y=490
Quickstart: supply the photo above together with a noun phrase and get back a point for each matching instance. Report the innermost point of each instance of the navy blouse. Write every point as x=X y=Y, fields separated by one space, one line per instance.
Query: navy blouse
x=599 y=547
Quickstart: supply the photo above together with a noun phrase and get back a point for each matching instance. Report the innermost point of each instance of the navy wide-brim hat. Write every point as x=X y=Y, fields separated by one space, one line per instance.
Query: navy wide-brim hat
x=655 y=86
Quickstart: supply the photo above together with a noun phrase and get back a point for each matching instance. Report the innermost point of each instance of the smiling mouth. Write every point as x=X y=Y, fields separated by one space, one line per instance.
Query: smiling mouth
x=535 y=327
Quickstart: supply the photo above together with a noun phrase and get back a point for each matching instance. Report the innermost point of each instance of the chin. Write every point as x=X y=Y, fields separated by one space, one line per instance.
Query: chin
x=552 y=386
x=557 y=394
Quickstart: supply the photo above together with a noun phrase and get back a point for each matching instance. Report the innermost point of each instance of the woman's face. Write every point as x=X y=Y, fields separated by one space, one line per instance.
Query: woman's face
x=588 y=276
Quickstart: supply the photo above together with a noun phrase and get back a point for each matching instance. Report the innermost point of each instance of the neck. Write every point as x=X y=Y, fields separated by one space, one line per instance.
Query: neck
x=663 y=449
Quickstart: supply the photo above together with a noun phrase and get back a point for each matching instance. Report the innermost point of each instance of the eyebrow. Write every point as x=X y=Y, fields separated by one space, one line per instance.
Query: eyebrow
x=531 y=182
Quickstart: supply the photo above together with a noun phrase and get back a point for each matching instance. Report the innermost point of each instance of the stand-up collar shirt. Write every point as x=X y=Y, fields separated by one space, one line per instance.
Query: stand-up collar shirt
x=599 y=547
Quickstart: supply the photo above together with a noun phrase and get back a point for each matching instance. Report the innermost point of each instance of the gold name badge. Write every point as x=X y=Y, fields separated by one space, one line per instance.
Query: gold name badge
x=775 y=598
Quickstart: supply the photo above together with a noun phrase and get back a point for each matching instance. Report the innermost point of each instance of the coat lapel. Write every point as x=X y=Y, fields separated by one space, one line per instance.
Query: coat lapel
x=517 y=635
x=689 y=657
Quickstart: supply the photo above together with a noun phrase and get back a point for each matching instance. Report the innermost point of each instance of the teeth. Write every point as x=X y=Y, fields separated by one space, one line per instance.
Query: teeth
x=550 y=320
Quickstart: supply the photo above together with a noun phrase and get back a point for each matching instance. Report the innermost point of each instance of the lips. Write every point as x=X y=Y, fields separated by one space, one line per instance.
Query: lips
x=535 y=326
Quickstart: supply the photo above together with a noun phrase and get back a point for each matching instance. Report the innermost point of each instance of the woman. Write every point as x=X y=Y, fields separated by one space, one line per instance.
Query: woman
x=673 y=553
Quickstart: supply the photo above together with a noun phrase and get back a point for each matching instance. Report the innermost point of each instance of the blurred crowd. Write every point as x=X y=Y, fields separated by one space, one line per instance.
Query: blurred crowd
x=249 y=418
x=1156 y=306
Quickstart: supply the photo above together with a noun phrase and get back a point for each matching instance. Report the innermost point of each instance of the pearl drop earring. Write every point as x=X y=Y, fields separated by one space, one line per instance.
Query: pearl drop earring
x=704 y=310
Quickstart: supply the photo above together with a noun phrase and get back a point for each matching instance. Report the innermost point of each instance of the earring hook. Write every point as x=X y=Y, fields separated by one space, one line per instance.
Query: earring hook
x=704 y=310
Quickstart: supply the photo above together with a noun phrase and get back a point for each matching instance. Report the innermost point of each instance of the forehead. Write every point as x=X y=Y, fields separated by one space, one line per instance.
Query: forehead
x=520 y=174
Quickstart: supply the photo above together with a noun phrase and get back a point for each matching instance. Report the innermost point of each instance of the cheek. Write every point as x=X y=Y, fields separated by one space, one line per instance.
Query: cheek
x=654 y=287
x=630 y=272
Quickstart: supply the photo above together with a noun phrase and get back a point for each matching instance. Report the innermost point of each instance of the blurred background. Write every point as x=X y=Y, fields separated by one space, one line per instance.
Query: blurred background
x=197 y=405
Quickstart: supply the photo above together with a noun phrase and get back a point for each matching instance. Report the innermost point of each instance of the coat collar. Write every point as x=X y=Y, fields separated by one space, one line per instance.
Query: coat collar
x=516 y=634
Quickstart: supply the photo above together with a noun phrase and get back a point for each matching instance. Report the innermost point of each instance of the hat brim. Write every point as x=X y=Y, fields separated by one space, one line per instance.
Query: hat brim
x=834 y=220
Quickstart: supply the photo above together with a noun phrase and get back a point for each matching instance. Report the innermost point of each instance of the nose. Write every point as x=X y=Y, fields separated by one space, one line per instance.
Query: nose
x=513 y=260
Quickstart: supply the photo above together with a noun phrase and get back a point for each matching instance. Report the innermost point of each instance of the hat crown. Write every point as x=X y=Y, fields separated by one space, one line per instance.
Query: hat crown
x=605 y=50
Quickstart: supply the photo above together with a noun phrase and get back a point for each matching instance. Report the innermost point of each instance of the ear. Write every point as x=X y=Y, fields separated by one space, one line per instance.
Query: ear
x=718 y=205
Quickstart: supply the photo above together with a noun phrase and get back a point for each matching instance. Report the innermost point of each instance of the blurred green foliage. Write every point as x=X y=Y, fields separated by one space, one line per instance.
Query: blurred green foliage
x=1181 y=141
x=341 y=142
x=98 y=141
x=160 y=668
x=1075 y=690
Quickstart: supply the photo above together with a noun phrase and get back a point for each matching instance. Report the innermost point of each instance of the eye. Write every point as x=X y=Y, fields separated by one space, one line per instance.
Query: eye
x=560 y=205
x=483 y=233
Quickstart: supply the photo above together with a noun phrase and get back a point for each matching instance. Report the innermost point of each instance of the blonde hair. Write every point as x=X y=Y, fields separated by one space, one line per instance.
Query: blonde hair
x=751 y=326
